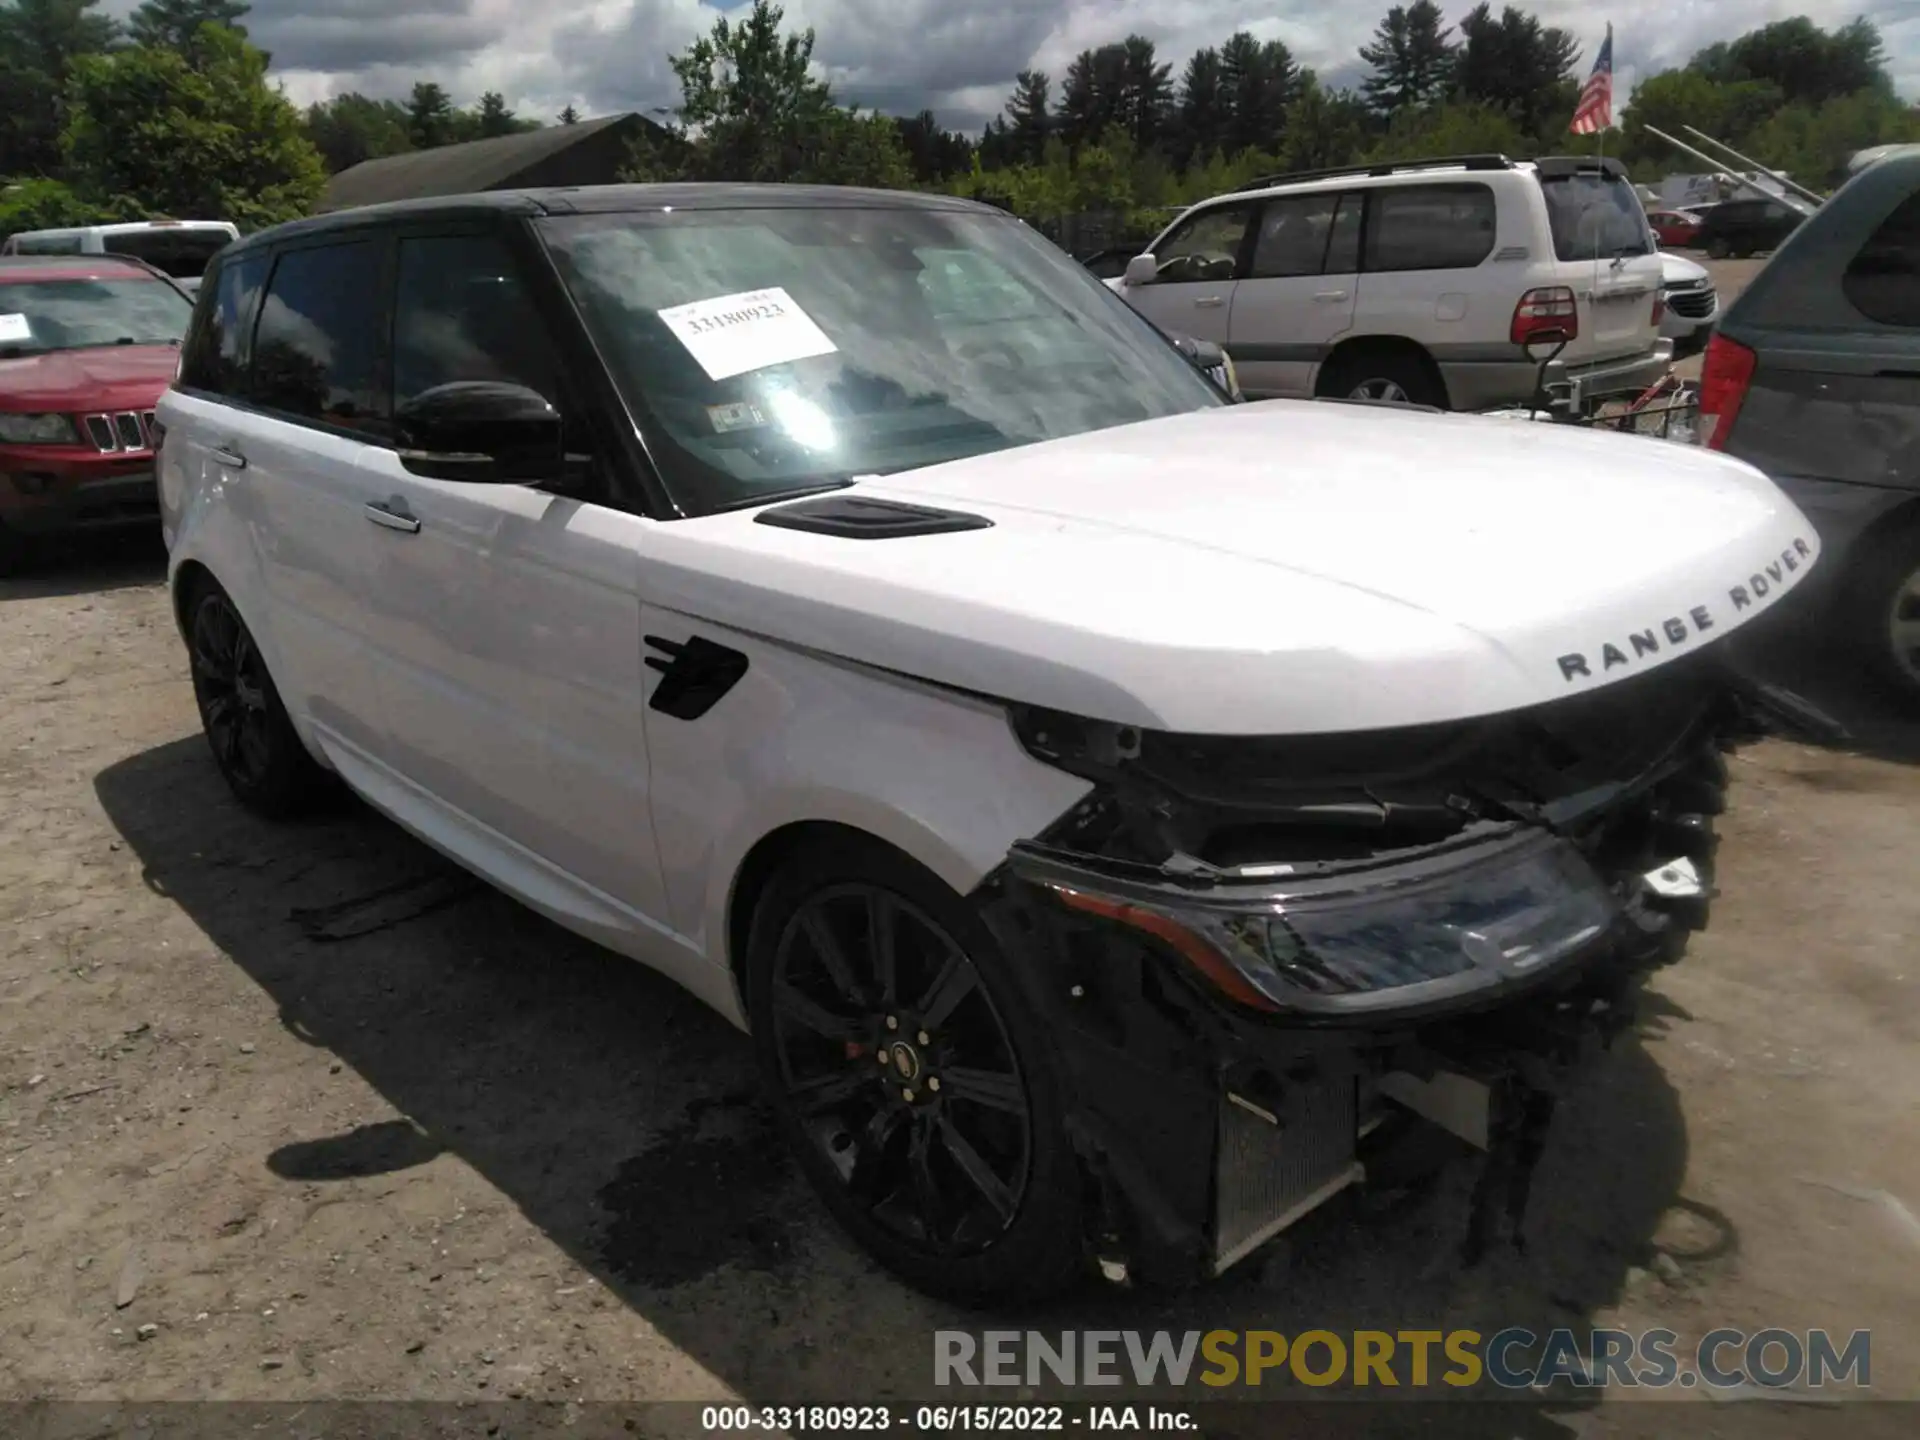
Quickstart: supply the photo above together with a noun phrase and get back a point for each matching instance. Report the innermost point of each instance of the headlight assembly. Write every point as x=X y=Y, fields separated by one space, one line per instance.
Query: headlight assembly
x=1407 y=934
x=36 y=430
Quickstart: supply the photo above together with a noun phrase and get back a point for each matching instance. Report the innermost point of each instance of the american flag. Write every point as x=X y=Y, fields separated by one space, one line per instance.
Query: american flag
x=1595 y=110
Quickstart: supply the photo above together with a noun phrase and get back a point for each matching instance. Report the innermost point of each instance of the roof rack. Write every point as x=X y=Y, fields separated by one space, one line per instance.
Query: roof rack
x=1395 y=167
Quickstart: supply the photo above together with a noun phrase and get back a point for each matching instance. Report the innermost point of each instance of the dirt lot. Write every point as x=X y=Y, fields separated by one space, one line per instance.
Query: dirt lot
x=297 y=1113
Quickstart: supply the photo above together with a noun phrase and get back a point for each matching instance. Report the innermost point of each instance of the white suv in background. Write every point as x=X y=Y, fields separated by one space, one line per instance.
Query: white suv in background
x=1416 y=282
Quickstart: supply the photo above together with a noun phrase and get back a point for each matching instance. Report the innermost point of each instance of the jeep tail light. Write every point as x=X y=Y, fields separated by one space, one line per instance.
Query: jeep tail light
x=1725 y=374
x=1549 y=308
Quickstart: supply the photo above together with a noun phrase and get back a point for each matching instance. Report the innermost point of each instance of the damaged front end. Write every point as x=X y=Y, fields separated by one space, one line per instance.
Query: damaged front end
x=1251 y=951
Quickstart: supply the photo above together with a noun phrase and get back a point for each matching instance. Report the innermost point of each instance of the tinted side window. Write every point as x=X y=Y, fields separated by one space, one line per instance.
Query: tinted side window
x=1430 y=227
x=1294 y=230
x=461 y=313
x=1206 y=247
x=318 y=342
x=216 y=350
x=1883 y=280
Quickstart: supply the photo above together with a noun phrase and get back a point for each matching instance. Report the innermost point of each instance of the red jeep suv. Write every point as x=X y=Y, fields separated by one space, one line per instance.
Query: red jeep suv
x=87 y=345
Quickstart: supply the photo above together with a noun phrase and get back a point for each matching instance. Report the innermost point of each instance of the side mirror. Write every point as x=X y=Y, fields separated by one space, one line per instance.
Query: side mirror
x=1211 y=361
x=483 y=432
x=1205 y=354
x=1142 y=270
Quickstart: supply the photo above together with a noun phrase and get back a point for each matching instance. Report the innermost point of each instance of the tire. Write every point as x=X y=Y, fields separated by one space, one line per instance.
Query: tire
x=1882 y=614
x=1717 y=249
x=1394 y=376
x=254 y=744
x=861 y=1104
x=13 y=552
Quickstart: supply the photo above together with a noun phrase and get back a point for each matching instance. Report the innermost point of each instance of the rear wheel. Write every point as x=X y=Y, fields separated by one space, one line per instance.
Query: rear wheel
x=13 y=551
x=254 y=743
x=1391 y=376
x=1885 y=610
x=909 y=1079
x=1718 y=249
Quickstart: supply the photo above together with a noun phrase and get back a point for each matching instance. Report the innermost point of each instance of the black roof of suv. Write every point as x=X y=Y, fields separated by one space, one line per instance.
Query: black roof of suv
x=611 y=199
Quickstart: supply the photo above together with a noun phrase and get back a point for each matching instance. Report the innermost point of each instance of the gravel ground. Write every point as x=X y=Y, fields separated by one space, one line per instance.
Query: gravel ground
x=300 y=1113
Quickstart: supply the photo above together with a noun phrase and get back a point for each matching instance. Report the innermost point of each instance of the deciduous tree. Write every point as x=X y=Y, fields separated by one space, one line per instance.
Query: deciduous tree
x=211 y=140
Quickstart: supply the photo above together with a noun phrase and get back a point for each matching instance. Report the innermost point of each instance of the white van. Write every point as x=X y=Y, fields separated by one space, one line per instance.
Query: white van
x=181 y=248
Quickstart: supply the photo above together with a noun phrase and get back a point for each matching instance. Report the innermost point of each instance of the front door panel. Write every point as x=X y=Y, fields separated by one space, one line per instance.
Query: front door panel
x=510 y=663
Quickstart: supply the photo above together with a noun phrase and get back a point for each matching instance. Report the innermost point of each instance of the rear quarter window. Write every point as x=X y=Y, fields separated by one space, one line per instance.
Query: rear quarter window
x=1882 y=281
x=1430 y=227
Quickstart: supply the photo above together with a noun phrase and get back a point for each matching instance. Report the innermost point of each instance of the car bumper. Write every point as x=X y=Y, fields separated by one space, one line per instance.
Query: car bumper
x=1486 y=385
x=39 y=498
x=1206 y=1127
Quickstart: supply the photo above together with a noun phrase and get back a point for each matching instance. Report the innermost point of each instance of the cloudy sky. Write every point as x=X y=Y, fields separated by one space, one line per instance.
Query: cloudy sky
x=956 y=56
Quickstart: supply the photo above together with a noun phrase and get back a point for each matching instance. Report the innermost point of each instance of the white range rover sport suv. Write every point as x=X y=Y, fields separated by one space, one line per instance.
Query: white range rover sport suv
x=1104 y=804
x=1420 y=282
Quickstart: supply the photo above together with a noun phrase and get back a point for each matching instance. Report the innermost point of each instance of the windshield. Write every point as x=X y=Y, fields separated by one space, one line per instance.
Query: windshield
x=182 y=253
x=1595 y=217
x=43 y=315
x=774 y=350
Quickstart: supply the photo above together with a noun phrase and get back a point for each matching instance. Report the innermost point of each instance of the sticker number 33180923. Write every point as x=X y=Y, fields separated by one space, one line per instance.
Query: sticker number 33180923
x=732 y=334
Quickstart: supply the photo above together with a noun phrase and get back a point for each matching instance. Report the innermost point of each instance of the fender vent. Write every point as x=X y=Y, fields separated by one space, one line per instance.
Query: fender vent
x=854 y=517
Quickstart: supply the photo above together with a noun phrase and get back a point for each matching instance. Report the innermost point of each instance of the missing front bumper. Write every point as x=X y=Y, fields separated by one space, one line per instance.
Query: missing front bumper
x=1207 y=1129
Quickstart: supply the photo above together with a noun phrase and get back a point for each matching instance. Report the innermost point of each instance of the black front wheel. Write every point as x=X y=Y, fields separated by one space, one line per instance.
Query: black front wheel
x=255 y=745
x=912 y=1084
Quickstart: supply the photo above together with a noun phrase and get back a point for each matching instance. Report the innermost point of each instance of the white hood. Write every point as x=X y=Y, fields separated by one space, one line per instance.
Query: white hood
x=1678 y=270
x=1280 y=568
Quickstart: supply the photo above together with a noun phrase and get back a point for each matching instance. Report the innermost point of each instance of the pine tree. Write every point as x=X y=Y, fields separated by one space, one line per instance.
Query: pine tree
x=430 y=116
x=1029 y=118
x=1411 y=58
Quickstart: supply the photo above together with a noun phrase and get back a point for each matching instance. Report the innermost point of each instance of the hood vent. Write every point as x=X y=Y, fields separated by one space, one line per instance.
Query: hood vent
x=856 y=517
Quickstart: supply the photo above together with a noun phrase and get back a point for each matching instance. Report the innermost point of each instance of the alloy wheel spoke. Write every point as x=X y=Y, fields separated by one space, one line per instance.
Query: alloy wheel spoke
x=979 y=1174
x=995 y=1089
x=869 y=1164
x=252 y=748
x=927 y=1196
x=801 y=1009
x=883 y=930
x=952 y=985
x=832 y=954
x=823 y=1092
x=226 y=740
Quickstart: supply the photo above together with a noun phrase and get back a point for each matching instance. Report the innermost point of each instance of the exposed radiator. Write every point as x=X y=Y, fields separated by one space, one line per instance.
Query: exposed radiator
x=1271 y=1171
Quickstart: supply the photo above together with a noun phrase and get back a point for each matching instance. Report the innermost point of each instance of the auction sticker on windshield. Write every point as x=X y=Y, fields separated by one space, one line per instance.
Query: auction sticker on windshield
x=732 y=334
x=14 y=327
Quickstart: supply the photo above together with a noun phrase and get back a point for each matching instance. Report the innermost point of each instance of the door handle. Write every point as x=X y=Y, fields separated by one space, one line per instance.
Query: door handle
x=393 y=515
x=232 y=459
x=1209 y=302
x=1329 y=296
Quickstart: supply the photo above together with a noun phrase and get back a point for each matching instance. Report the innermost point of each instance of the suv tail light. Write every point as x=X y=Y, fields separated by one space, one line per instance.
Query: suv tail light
x=1725 y=374
x=1551 y=307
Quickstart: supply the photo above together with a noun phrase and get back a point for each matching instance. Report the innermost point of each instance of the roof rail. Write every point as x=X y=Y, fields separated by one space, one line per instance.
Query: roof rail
x=1393 y=167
